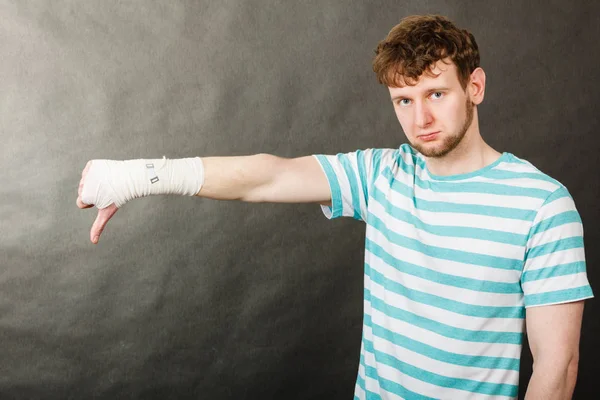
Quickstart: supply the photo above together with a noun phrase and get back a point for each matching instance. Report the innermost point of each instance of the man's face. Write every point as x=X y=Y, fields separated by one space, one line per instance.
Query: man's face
x=436 y=113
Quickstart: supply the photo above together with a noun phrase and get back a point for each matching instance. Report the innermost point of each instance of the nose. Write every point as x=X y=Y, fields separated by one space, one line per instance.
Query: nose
x=423 y=116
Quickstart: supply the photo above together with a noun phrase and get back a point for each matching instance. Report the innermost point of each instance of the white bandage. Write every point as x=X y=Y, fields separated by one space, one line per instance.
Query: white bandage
x=110 y=181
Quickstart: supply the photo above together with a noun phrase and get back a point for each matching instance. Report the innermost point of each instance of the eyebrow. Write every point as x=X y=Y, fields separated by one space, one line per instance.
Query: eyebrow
x=431 y=90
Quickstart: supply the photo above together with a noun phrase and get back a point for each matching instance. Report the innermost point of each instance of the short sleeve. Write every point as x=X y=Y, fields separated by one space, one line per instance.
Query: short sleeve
x=555 y=270
x=350 y=176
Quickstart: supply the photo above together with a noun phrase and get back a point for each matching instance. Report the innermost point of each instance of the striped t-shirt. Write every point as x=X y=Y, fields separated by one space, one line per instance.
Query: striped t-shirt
x=451 y=263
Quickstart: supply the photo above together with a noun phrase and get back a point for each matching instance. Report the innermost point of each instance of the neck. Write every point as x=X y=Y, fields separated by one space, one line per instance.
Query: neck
x=471 y=154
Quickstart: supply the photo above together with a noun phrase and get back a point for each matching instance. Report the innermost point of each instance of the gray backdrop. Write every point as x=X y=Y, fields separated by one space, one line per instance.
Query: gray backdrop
x=193 y=298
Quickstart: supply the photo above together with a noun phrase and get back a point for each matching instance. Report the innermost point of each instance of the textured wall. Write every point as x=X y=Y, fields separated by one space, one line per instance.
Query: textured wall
x=193 y=298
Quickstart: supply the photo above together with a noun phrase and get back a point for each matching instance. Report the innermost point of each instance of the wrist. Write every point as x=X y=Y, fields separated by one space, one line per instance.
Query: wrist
x=111 y=181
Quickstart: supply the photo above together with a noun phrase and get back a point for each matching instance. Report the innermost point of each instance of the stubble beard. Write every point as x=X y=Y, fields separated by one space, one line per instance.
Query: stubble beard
x=450 y=142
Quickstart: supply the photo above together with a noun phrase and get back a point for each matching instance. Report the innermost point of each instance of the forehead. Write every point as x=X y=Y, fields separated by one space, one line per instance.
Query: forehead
x=442 y=75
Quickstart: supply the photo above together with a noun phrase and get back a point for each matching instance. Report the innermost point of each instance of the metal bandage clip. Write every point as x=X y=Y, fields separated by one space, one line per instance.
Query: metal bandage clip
x=153 y=177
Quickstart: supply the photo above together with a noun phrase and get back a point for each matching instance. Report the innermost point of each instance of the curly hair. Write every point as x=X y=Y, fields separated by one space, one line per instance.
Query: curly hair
x=414 y=45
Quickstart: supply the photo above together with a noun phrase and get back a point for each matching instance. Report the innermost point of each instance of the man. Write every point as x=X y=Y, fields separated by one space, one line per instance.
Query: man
x=463 y=243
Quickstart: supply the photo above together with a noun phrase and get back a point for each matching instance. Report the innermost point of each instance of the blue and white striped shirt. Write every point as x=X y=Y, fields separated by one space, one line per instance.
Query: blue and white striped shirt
x=451 y=263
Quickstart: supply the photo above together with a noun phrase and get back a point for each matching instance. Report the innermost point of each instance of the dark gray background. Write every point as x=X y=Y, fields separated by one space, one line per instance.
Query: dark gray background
x=192 y=298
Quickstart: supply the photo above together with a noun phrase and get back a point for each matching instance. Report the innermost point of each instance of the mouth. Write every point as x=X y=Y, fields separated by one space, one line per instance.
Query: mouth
x=428 y=137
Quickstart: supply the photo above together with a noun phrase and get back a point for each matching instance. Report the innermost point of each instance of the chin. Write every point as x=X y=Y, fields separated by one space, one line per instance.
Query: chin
x=436 y=152
x=437 y=148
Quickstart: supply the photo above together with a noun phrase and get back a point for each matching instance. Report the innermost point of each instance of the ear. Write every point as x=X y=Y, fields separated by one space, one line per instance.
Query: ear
x=476 y=86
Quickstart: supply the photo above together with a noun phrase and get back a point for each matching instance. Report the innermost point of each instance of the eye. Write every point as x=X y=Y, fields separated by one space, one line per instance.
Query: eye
x=403 y=102
x=437 y=95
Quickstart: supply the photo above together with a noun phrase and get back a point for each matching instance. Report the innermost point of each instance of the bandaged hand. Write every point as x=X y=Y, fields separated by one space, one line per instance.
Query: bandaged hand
x=109 y=184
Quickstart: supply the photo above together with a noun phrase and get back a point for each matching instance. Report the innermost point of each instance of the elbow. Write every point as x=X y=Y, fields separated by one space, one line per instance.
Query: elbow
x=569 y=378
x=259 y=177
x=558 y=374
x=572 y=370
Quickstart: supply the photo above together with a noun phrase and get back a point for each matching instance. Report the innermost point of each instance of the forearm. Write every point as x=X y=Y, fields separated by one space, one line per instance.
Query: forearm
x=237 y=178
x=552 y=381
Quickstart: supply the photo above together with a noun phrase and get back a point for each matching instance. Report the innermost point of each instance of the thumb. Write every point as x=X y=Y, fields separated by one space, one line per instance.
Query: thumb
x=101 y=220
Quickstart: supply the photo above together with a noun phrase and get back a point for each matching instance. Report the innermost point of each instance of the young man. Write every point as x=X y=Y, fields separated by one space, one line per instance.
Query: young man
x=463 y=243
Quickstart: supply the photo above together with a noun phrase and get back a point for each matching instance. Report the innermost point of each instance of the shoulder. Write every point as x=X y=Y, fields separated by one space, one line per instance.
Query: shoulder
x=378 y=157
x=554 y=196
x=522 y=169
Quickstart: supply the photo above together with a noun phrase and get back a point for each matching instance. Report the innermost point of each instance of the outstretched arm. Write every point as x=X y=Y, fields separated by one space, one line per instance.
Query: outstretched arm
x=255 y=178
